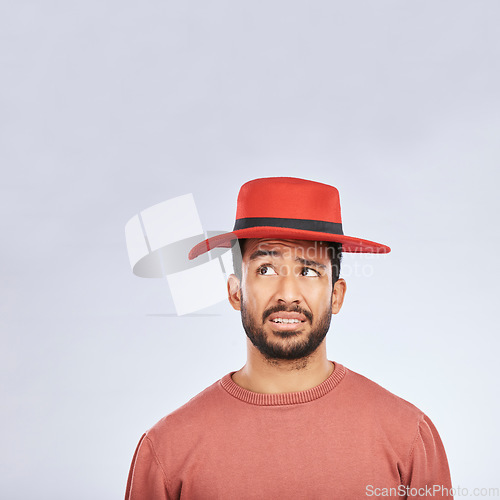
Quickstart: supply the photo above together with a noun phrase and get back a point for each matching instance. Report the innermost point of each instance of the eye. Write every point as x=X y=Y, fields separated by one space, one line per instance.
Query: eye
x=309 y=271
x=265 y=270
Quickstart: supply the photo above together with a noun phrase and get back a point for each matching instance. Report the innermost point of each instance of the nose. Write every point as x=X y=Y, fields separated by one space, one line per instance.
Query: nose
x=288 y=291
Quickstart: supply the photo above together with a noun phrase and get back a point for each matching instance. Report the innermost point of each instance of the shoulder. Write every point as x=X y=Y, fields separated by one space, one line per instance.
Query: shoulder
x=376 y=396
x=410 y=432
x=196 y=413
x=376 y=404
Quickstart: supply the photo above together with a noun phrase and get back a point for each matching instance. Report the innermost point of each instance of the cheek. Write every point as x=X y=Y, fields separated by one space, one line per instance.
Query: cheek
x=252 y=295
x=319 y=298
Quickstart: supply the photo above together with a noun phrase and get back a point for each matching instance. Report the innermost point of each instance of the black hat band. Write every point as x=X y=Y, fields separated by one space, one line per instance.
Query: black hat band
x=318 y=226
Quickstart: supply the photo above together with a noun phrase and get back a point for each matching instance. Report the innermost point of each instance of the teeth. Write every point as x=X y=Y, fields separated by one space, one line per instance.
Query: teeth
x=285 y=320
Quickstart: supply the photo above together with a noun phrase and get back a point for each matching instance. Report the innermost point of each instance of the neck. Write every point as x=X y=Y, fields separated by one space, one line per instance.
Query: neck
x=279 y=376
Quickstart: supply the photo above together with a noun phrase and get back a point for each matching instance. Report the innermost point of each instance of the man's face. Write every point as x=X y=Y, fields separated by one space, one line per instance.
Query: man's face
x=286 y=296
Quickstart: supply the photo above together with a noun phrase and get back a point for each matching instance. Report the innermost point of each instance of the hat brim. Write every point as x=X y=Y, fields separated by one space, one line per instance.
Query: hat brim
x=349 y=243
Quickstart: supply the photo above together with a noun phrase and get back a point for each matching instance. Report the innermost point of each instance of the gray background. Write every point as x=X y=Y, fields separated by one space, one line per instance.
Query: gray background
x=109 y=107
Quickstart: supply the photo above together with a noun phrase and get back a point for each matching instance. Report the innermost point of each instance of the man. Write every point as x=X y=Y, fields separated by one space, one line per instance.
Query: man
x=290 y=424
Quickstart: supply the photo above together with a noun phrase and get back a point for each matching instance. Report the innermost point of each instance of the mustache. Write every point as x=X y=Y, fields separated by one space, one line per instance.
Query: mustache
x=283 y=308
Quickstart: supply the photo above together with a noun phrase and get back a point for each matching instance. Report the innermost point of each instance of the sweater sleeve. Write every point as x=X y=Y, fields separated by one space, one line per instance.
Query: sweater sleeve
x=428 y=466
x=146 y=478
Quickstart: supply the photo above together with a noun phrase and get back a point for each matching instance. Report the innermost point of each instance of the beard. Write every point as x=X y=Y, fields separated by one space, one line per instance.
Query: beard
x=290 y=350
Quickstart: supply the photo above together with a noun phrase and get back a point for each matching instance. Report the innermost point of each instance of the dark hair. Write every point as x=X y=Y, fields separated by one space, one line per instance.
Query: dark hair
x=335 y=250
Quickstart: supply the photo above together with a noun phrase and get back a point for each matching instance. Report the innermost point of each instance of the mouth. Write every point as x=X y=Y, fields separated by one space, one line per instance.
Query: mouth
x=286 y=321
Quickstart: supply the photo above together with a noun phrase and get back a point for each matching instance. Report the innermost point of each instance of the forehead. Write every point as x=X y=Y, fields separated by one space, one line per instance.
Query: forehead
x=316 y=250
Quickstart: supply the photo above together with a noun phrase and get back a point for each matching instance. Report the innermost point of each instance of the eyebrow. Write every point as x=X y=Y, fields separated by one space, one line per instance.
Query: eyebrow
x=265 y=253
x=275 y=253
x=311 y=263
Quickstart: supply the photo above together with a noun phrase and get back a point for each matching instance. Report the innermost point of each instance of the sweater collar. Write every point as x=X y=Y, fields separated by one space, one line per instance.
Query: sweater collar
x=286 y=398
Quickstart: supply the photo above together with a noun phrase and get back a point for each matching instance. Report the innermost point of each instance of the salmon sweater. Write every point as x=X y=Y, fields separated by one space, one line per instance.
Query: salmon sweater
x=347 y=438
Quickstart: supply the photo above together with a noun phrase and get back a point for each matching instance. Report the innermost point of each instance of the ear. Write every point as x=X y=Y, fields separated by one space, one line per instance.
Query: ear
x=234 y=292
x=338 y=295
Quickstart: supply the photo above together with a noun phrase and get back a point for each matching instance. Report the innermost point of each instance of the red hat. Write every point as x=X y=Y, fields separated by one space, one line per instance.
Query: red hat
x=288 y=208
